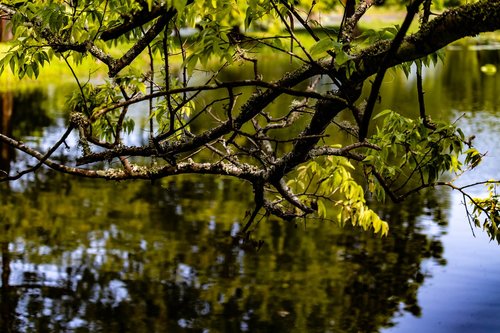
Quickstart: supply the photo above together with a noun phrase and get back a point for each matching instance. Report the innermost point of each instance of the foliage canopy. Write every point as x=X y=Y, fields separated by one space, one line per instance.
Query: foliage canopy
x=200 y=123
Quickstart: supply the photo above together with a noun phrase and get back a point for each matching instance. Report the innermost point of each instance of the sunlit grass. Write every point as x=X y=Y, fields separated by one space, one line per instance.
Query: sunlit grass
x=90 y=69
x=55 y=72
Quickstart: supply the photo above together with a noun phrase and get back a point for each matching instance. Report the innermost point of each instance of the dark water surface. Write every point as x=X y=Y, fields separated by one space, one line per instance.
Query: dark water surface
x=82 y=255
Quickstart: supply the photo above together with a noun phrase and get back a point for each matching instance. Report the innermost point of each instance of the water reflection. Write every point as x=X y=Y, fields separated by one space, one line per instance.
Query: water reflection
x=6 y=109
x=23 y=114
x=130 y=263
x=96 y=256
x=466 y=85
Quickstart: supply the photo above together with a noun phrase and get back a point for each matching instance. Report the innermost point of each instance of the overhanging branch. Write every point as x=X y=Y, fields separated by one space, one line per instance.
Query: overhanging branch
x=134 y=21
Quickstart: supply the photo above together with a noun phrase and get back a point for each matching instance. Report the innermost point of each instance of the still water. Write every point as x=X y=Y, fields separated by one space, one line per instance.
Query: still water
x=97 y=256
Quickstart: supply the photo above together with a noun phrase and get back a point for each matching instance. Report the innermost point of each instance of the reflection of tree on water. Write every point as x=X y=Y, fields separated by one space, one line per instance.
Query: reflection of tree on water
x=8 y=296
x=30 y=113
x=7 y=301
x=6 y=110
x=21 y=114
x=469 y=86
x=108 y=258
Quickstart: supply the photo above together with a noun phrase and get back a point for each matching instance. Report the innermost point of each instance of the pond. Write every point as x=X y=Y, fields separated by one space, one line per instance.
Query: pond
x=81 y=255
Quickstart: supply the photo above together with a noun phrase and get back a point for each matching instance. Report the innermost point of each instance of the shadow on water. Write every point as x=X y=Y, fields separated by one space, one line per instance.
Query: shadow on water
x=96 y=256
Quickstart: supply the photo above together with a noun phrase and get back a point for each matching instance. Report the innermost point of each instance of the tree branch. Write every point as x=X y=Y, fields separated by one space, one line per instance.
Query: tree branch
x=142 y=43
x=452 y=25
x=134 y=21
x=350 y=22
x=279 y=87
x=41 y=160
x=377 y=83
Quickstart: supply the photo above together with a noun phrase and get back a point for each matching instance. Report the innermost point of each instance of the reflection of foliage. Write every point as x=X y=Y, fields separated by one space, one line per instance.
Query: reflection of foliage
x=478 y=91
x=136 y=257
x=30 y=112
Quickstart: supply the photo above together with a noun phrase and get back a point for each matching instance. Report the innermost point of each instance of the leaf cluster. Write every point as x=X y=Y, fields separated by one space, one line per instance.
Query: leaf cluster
x=330 y=184
x=412 y=150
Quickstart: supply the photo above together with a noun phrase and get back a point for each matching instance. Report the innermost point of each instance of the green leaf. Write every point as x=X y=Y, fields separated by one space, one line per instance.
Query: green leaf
x=382 y=113
x=341 y=57
x=248 y=17
x=321 y=46
x=321 y=209
x=35 y=69
x=179 y=5
x=12 y=63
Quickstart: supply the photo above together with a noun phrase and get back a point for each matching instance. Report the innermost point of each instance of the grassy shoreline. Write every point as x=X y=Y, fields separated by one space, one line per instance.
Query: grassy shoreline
x=58 y=72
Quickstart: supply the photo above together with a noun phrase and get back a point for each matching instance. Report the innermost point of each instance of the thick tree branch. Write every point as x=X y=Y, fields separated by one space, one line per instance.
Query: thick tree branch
x=134 y=21
x=142 y=43
x=287 y=193
x=244 y=171
x=41 y=160
x=7 y=11
x=451 y=25
x=325 y=111
x=350 y=22
x=377 y=83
